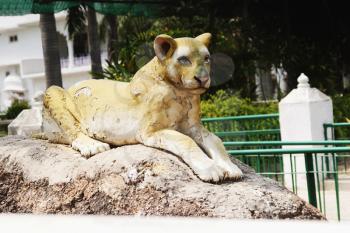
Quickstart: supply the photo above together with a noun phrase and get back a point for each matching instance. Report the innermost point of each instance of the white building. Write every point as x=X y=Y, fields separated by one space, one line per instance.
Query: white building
x=21 y=54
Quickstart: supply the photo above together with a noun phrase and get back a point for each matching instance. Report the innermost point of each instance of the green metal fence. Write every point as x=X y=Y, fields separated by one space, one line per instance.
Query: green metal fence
x=245 y=128
x=339 y=130
x=315 y=160
x=255 y=140
x=242 y=129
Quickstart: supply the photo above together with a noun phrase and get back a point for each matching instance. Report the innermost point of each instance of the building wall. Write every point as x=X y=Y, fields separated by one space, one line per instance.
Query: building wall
x=24 y=57
x=28 y=45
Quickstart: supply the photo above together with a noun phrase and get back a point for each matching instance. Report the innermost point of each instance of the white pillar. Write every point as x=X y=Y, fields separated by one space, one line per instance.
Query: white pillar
x=302 y=115
x=70 y=53
x=30 y=88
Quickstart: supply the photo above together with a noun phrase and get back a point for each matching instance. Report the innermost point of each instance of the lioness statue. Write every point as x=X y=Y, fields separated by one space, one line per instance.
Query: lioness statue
x=159 y=108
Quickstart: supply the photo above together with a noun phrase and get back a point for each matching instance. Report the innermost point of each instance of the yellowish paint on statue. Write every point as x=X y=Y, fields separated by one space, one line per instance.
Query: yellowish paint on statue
x=160 y=108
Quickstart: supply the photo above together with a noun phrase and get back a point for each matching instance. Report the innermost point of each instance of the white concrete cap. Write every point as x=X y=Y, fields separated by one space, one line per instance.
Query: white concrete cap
x=304 y=93
x=303 y=81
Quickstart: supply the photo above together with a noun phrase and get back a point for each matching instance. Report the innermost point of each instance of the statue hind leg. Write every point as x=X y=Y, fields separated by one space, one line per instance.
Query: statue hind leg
x=62 y=123
x=61 y=117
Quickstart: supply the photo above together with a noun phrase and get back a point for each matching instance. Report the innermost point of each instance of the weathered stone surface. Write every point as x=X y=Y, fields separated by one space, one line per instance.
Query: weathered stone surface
x=28 y=122
x=39 y=177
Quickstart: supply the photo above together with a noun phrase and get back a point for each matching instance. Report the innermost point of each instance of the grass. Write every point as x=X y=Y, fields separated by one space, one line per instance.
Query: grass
x=3 y=133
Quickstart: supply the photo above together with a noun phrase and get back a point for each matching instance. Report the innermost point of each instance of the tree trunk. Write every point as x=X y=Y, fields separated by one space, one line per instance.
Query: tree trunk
x=112 y=43
x=50 y=50
x=94 y=43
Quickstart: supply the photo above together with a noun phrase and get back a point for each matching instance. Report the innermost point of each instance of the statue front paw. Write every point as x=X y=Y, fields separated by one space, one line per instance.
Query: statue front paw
x=215 y=172
x=88 y=146
x=231 y=170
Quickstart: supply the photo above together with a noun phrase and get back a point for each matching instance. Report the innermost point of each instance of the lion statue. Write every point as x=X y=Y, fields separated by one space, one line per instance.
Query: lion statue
x=159 y=108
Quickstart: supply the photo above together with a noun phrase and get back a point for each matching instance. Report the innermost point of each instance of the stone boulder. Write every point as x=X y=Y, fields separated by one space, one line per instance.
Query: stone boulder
x=28 y=122
x=39 y=177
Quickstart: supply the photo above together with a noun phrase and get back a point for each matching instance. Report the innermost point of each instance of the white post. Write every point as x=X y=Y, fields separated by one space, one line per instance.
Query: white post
x=70 y=53
x=302 y=115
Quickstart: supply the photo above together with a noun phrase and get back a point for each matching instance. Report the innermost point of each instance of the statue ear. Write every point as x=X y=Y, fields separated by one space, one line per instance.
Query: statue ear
x=205 y=38
x=164 y=46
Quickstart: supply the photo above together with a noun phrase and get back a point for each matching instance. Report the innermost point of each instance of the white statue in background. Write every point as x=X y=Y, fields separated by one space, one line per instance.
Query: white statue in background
x=13 y=90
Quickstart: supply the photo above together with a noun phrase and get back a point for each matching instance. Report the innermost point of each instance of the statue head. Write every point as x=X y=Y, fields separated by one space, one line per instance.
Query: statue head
x=186 y=61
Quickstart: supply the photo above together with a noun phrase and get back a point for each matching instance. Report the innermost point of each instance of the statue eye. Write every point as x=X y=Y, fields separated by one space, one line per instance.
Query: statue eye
x=184 y=61
x=207 y=59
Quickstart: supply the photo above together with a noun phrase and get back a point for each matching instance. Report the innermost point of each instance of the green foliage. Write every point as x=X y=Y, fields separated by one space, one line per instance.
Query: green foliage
x=228 y=38
x=16 y=108
x=341 y=112
x=341 y=105
x=222 y=103
x=132 y=33
x=303 y=37
x=76 y=20
x=115 y=72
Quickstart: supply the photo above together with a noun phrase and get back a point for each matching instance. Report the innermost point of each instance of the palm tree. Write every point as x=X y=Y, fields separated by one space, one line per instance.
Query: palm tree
x=76 y=23
x=94 y=42
x=112 y=38
x=49 y=41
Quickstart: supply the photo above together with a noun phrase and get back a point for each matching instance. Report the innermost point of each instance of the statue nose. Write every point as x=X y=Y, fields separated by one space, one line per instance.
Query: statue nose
x=202 y=80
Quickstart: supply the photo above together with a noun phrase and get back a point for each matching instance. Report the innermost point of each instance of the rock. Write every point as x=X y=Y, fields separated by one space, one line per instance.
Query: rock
x=28 y=122
x=39 y=177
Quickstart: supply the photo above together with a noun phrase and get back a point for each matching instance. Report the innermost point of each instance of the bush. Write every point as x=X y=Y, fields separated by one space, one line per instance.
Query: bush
x=224 y=104
x=16 y=108
x=341 y=112
x=341 y=108
x=115 y=72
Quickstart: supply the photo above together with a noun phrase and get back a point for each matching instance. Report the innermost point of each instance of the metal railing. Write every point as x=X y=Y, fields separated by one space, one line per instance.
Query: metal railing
x=337 y=130
x=245 y=128
x=255 y=140
x=316 y=174
x=81 y=60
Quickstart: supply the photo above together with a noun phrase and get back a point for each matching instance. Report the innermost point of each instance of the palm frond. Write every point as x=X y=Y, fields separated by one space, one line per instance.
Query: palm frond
x=76 y=20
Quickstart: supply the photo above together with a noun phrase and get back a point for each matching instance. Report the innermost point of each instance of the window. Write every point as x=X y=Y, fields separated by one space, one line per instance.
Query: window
x=13 y=38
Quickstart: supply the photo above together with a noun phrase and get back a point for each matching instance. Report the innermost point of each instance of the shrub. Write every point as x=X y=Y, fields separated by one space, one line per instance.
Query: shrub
x=341 y=112
x=222 y=103
x=16 y=108
x=341 y=108
x=115 y=72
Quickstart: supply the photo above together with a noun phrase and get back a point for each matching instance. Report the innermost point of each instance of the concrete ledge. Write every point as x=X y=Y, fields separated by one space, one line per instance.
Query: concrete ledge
x=106 y=224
